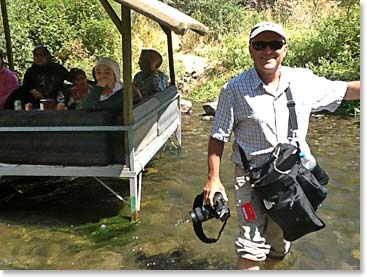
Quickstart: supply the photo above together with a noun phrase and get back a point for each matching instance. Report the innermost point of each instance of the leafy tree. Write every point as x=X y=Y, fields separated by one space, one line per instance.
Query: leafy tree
x=76 y=32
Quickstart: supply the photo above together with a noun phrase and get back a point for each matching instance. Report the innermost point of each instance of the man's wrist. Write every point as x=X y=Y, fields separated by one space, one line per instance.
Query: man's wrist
x=213 y=178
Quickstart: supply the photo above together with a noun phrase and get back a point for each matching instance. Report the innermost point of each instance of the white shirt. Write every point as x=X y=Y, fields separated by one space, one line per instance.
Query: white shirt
x=258 y=114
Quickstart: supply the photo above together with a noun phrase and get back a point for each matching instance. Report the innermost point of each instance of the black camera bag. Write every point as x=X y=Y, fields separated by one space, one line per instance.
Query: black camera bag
x=285 y=163
x=290 y=192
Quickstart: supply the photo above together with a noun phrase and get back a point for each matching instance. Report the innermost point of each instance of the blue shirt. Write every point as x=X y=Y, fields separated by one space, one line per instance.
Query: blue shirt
x=149 y=85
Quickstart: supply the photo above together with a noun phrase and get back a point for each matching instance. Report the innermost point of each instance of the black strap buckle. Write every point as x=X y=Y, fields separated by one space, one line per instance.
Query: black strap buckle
x=291 y=104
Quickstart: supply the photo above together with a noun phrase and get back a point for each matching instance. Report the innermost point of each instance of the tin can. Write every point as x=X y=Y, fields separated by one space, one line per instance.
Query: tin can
x=17 y=105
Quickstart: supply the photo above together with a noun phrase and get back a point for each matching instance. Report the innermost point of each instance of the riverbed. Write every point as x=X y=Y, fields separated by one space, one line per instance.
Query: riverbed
x=75 y=223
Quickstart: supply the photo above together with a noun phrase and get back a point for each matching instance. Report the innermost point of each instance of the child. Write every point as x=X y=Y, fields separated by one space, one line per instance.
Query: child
x=79 y=90
x=149 y=80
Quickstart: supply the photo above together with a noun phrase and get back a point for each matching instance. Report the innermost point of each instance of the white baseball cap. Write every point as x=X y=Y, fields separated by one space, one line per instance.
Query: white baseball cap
x=267 y=27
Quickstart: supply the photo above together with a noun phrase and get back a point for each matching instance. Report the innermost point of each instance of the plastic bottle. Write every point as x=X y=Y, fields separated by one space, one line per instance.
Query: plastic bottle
x=17 y=105
x=60 y=98
x=309 y=163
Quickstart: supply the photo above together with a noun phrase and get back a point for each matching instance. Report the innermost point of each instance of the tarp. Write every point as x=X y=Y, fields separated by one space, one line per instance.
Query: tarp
x=166 y=15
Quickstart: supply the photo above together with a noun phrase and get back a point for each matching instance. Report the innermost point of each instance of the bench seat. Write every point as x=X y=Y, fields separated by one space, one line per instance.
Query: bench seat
x=76 y=148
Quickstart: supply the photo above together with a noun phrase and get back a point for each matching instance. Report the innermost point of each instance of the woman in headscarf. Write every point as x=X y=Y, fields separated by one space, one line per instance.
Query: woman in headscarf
x=106 y=94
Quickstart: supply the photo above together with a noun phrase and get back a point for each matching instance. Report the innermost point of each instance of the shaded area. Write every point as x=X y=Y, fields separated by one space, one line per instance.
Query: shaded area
x=67 y=200
x=181 y=259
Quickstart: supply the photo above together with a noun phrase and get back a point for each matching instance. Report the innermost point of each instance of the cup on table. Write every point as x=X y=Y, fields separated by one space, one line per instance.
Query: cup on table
x=28 y=106
x=47 y=104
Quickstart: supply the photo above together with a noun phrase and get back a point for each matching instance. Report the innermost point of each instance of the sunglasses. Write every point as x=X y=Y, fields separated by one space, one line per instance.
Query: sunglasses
x=273 y=45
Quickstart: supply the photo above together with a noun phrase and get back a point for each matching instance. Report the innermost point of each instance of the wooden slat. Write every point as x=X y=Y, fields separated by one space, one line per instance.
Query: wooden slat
x=166 y=15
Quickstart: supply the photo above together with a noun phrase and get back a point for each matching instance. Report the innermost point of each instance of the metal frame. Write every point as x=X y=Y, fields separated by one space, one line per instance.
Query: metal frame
x=131 y=170
x=170 y=20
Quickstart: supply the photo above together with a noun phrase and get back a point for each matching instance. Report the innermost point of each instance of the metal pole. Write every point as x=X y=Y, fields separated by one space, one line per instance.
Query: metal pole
x=111 y=190
x=9 y=52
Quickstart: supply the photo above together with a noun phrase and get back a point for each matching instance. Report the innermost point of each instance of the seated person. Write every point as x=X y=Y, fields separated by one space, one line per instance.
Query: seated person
x=106 y=94
x=149 y=80
x=79 y=90
x=8 y=81
x=43 y=80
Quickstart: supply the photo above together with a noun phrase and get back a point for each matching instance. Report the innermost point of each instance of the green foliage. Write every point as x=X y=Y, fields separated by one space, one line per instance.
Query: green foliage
x=76 y=32
x=220 y=16
x=232 y=56
x=204 y=91
x=322 y=35
x=331 y=49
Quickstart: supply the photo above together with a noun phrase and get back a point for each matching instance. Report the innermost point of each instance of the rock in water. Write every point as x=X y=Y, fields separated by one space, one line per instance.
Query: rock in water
x=186 y=106
x=210 y=108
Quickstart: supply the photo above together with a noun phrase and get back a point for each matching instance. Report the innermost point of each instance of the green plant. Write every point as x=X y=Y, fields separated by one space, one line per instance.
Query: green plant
x=74 y=31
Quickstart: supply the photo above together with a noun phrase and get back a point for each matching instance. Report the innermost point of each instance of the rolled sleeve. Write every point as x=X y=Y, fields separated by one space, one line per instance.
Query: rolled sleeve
x=327 y=94
x=224 y=118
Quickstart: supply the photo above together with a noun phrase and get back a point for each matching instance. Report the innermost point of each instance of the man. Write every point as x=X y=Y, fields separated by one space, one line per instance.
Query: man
x=254 y=106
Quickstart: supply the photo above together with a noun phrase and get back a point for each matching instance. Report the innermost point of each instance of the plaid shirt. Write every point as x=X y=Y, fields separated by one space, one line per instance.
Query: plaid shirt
x=258 y=115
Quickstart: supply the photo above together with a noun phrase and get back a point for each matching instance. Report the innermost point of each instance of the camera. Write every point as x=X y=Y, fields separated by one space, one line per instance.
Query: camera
x=220 y=210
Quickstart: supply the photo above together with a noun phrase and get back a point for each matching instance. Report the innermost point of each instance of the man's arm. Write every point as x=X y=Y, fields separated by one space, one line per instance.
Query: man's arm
x=353 y=91
x=214 y=184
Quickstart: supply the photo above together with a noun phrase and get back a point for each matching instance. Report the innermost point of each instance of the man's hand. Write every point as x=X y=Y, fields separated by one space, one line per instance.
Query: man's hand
x=211 y=187
x=102 y=83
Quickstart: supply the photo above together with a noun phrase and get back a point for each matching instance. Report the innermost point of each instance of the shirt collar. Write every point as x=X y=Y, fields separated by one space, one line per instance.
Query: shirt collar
x=284 y=80
x=256 y=79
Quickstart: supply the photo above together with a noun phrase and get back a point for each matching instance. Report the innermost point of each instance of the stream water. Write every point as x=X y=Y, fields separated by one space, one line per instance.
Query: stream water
x=67 y=223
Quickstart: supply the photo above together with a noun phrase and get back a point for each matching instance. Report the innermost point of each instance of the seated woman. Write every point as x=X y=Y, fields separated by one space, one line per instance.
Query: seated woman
x=149 y=80
x=106 y=94
x=43 y=80
x=8 y=81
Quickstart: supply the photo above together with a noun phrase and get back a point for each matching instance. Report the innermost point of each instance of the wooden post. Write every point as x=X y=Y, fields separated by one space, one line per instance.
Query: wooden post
x=9 y=52
x=110 y=11
x=127 y=66
x=170 y=54
x=128 y=118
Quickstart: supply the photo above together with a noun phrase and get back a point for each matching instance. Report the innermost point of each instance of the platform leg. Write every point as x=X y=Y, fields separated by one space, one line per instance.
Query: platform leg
x=135 y=196
x=178 y=135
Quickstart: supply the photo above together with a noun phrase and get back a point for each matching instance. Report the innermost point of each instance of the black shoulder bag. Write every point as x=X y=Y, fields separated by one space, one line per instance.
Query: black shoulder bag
x=290 y=192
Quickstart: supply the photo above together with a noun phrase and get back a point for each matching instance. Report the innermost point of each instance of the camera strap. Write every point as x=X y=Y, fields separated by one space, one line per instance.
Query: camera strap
x=198 y=227
x=292 y=127
x=292 y=121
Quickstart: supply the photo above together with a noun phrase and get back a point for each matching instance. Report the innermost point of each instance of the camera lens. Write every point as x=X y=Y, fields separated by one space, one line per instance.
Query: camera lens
x=199 y=214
